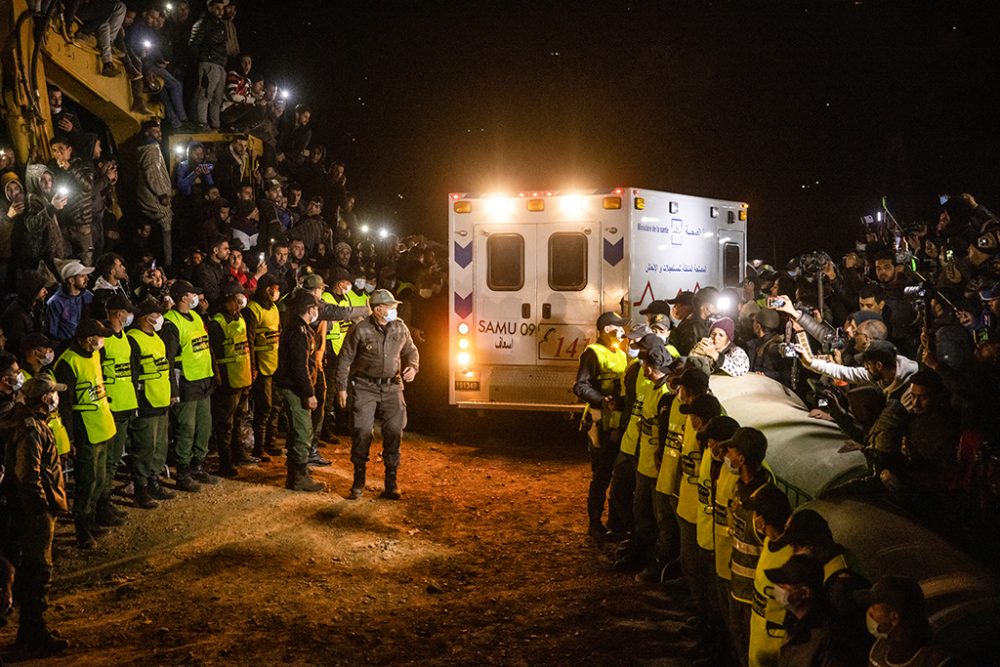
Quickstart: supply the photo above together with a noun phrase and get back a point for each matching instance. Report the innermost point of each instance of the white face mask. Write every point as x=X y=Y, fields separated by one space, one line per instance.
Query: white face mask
x=730 y=467
x=18 y=381
x=315 y=318
x=53 y=403
x=48 y=358
x=158 y=323
x=632 y=352
x=360 y=284
x=195 y=300
x=391 y=315
x=873 y=628
x=370 y=287
x=780 y=594
x=425 y=293
x=242 y=300
x=128 y=320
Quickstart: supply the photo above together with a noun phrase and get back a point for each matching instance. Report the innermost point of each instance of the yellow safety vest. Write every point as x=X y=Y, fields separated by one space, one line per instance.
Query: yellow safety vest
x=705 y=523
x=767 y=622
x=630 y=439
x=336 y=332
x=63 y=445
x=235 y=351
x=91 y=399
x=649 y=430
x=611 y=364
x=116 y=362
x=267 y=330
x=747 y=545
x=725 y=487
x=687 y=484
x=194 y=355
x=669 y=477
x=154 y=368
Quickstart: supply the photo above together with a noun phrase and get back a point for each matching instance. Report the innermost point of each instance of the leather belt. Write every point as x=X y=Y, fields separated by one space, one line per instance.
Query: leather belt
x=374 y=380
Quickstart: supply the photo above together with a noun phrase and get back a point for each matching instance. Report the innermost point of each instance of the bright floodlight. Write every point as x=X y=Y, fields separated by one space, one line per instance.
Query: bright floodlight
x=572 y=204
x=365 y=229
x=723 y=303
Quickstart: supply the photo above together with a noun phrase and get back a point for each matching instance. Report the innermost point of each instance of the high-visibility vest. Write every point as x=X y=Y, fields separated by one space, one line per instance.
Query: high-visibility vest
x=669 y=478
x=194 y=355
x=91 y=399
x=705 y=524
x=687 y=483
x=116 y=362
x=747 y=545
x=649 y=430
x=725 y=487
x=154 y=368
x=767 y=622
x=267 y=332
x=63 y=445
x=630 y=439
x=235 y=351
x=336 y=332
x=611 y=364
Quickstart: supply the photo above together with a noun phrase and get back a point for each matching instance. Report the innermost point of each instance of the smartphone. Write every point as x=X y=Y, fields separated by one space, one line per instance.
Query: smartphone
x=822 y=402
x=63 y=192
x=261 y=258
x=153 y=265
x=943 y=199
x=775 y=302
x=949 y=255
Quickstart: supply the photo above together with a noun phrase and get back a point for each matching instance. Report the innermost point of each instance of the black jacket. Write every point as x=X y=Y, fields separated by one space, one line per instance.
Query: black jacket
x=208 y=40
x=212 y=276
x=296 y=358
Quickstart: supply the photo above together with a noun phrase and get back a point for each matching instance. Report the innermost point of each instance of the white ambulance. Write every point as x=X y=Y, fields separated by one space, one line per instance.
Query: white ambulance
x=530 y=274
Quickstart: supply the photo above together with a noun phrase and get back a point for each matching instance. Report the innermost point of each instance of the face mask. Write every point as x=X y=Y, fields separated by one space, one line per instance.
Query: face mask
x=781 y=594
x=242 y=300
x=370 y=287
x=425 y=294
x=52 y=404
x=315 y=318
x=632 y=352
x=730 y=467
x=18 y=381
x=391 y=315
x=195 y=300
x=128 y=320
x=157 y=323
x=873 y=628
x=48 y=358
x=360 y=284
x=758 y=525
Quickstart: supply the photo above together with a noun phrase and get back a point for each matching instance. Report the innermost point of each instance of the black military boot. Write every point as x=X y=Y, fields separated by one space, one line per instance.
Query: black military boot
x=391 y=491
x=84 y=539
x=301 y=481
x=316 y=459
x=96 y=529
x=185 y=482
x=105 y=515
x=157 y=491
x=358 y=487
x=201 y=475
x=142 y=499
x=34 y=637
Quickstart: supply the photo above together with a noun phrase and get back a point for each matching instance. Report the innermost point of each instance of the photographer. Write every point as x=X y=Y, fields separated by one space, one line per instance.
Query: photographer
x=764 y=349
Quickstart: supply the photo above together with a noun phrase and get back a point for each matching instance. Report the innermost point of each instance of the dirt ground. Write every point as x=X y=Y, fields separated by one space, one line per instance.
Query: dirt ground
x=484 y=561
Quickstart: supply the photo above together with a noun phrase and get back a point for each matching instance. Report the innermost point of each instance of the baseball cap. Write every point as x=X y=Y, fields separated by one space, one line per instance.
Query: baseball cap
x=638 y=332
x=340 y=274
x=749 y=442
x=34 y=341
x=610 y=319
x=719 y=428
x=148 y=307
x=693 y=378
x=649 y=341
x=232 y=288
x=658 y=307
x=901 y=593
x=74 y=268
x=90 y=327
x=801 y=570
x=771 y=503
x=119 y=302
x=705 y=406
x=990 y=292
x=684 y=298
x=382 y=296
x=769 y=319
x=182 y=287
x=267 y=280
x=40 y=385
x=313 y=281
x=659 y=358
x=806 y=528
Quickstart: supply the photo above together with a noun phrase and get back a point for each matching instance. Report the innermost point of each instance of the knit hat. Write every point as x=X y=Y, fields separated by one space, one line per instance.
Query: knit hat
x=726 y=324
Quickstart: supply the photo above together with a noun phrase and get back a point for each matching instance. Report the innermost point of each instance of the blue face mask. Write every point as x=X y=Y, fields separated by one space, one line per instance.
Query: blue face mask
x=129 y=319
x=391 y=315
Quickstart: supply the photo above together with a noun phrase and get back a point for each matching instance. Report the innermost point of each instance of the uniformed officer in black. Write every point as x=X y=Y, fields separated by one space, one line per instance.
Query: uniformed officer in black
x=378 y=356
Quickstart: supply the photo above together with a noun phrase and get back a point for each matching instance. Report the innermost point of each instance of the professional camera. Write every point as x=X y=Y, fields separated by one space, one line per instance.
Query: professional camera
x=812 y=263
x=836 y=339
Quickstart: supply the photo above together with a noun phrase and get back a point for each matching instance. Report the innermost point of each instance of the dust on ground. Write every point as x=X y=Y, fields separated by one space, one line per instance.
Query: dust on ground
x=484 y=561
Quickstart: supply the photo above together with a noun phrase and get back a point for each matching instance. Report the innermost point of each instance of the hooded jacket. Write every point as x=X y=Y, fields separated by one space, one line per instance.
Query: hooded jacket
x=37 y=236
x=7 y=223
x=23 y=315
x=154 y=182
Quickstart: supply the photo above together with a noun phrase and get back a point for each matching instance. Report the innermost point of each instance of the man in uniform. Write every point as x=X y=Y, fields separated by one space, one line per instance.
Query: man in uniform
x=262 y=315
x=294 y=378
x=38 y=357
x=87 y=415
x=229 y=335
x=153 y=394
x=378 y=356
x=598 y=379
x=186 y=340
x=37 y=495
x=335 y=418
x=119 y=379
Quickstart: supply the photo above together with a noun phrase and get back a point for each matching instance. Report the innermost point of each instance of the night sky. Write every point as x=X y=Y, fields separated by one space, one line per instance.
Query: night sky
x=809 y=111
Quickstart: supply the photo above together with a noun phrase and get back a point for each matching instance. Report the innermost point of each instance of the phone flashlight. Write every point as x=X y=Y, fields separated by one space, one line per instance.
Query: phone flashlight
x=63 y=192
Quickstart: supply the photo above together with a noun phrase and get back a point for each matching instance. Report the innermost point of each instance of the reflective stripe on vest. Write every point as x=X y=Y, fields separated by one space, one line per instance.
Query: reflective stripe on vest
x=767 y=629
x=725 y=487
x=611 y=365
x=154 y=368
x=117 y=366
x=746 y=548
x=63 y=445
x=235 y=351
x=687 y=485
x=337 y=331
x=705 y=523
x=194 y=354
x=267 y=328
x=630 y=439
x=649 y=431
x=670 y=469
x=836 y=564
x=90 y=399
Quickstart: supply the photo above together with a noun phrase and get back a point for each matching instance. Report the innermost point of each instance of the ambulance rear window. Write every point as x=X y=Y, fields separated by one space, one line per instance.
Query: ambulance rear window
x=731 y=265
x=567 y=262
x=505 y=262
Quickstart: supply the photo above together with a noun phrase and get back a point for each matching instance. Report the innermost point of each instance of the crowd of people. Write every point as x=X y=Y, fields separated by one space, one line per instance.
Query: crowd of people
x=898 y=343
x=186 y=316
